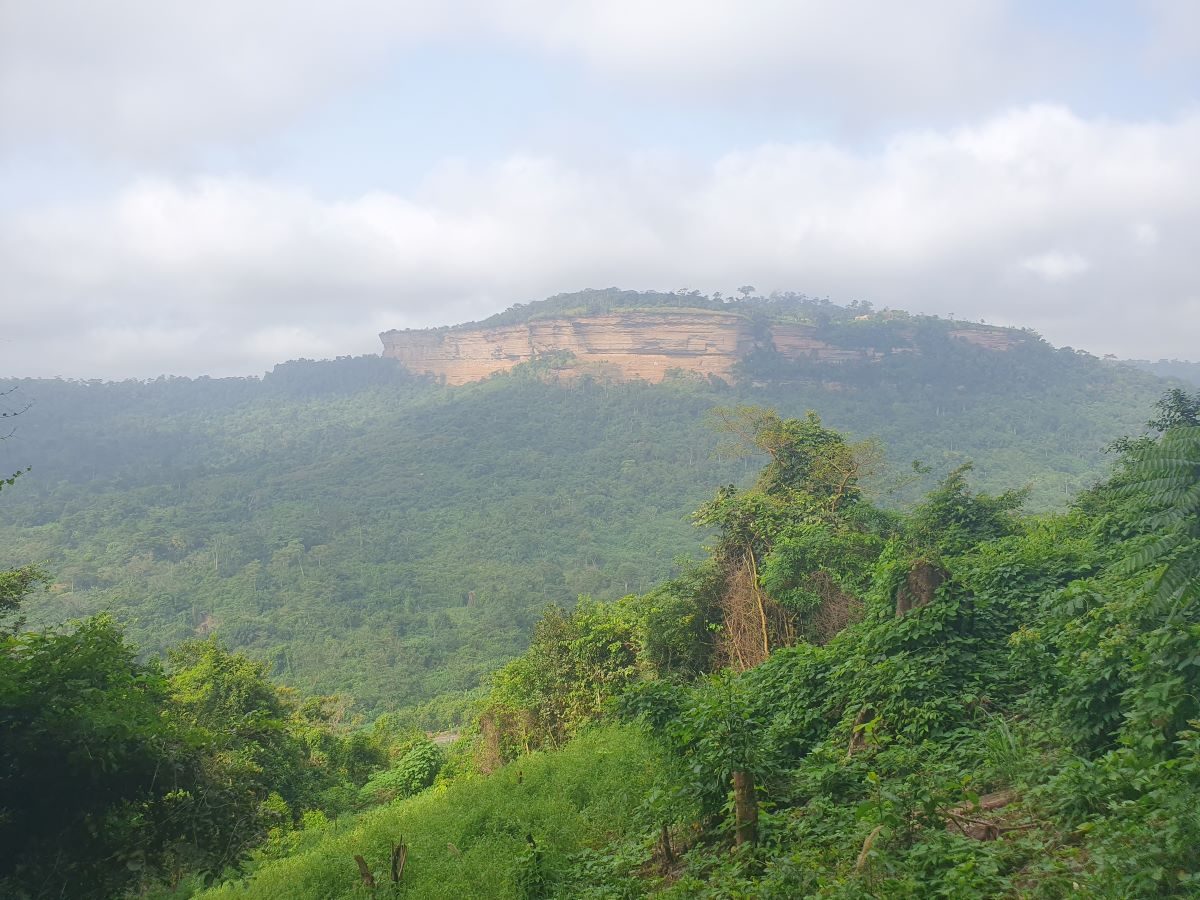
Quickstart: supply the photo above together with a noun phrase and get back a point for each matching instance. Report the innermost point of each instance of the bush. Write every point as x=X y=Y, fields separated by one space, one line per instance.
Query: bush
x=414 y=772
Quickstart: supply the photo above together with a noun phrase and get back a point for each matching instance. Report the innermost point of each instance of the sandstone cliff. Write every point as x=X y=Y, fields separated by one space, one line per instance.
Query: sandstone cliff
x=625 y=345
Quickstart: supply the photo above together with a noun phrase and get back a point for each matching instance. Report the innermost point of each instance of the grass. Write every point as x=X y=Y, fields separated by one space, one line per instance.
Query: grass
x=469 y=839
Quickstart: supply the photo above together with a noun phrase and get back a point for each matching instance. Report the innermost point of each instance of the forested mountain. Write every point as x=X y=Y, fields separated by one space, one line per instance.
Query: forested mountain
x=972 y=676
x=369 y=532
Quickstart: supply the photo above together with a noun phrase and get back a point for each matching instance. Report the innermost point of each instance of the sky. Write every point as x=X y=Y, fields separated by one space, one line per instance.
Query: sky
x=212 y=188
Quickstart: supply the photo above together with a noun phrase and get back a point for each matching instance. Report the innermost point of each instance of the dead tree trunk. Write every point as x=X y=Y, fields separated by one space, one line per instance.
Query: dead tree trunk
x=664 y=842
x=399 y=858
x=858 y=733
x=923 y=580
x=762 y=609
x=365 y=871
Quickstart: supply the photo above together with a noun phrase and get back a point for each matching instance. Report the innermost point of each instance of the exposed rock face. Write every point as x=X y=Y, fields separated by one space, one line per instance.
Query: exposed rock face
x=626 y=345
x=622 y=345
x=988 y=338
x=800 y=341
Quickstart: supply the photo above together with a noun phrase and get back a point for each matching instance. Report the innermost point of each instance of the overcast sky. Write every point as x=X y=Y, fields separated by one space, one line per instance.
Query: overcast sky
x=211 y=188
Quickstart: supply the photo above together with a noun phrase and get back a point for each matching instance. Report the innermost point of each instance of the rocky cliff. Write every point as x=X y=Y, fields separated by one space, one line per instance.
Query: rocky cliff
x=624 y=345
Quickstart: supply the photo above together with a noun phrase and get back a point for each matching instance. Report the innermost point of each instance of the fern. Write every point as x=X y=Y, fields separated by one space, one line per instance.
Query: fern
x=1168 y=476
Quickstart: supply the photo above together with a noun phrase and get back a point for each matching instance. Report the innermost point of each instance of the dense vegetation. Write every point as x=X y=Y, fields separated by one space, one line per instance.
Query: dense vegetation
x=847 y=695
x=116 y=773
x=786 y=306
x=506 y=834
x=958 y=701
x=372 y=534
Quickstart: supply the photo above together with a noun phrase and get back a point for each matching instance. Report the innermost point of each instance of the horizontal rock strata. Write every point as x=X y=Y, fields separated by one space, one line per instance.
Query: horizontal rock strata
x=622 y=345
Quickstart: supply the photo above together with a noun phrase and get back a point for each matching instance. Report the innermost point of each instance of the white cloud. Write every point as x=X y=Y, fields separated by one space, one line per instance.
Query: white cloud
x=1145 y=234
x=146 y=79
x=874 y=57
x=1056 y=266
x=233 y=274
x=143 y=77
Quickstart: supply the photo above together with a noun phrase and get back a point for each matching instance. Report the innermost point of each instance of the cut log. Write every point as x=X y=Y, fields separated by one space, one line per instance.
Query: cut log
x=964 y=818
x=986 y=803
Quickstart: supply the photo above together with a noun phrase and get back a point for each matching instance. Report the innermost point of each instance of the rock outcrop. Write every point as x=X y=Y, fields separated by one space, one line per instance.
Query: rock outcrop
x=622 y=345
x=625 y=345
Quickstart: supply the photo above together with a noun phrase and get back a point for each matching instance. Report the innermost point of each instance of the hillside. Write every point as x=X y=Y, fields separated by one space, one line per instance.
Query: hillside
x=842 y=702
x=371 y=532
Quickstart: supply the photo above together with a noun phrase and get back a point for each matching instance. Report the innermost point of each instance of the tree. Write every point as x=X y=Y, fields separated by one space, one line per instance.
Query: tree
x=15 y=586
x=98 y=787
x=717 y=735
x=1174 y=409
x=781 y=541
x=414 y=771
x=114 y=774
x=952 y=519
x=575 y=663
x=805 y=457
x=1130 y=666
x=228 y=698
x=1169 y=475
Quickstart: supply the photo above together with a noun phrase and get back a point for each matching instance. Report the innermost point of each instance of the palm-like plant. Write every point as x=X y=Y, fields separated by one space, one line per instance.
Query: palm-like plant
x=1168 y=475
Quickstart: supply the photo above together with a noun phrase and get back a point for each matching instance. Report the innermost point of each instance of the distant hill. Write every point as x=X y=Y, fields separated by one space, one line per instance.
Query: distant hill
x=371 y=531
x=1170 y=368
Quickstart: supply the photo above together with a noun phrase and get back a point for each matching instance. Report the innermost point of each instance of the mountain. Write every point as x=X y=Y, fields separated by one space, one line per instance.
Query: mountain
x=372 y=531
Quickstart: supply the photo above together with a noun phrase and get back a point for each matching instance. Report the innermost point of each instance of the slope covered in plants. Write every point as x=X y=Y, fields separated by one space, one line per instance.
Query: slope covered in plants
x=963 y=700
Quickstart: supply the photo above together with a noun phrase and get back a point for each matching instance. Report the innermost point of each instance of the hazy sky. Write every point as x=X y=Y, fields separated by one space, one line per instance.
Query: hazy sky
x=214 y=187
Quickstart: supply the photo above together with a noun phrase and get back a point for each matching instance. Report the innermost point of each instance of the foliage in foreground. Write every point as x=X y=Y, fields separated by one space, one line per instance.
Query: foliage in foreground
x=118 y=773
x=1013 y=712
x=528 y=829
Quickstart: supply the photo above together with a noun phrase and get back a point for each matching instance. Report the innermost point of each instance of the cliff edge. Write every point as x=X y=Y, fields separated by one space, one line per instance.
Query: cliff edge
x=625 y=345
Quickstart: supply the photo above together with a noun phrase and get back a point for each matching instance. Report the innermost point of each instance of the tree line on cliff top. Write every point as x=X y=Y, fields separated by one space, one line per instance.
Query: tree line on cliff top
x=780 y=306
